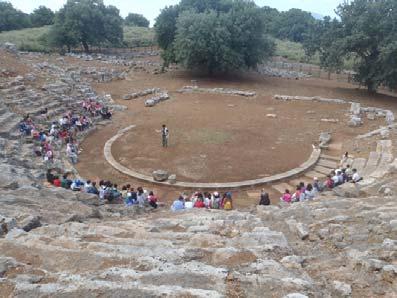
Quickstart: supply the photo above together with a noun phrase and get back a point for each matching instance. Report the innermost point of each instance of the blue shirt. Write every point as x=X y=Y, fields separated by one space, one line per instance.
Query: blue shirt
x=177 y=205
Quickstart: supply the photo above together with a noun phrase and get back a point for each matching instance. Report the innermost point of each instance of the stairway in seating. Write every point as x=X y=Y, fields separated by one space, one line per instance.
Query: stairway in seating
x=371 y=169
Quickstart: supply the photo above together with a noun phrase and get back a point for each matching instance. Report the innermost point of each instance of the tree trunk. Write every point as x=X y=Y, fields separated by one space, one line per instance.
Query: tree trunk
x=86 y=47
x=371 y=86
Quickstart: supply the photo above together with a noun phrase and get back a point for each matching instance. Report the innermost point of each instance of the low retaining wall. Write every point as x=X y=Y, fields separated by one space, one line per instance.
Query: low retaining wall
x=107 y=150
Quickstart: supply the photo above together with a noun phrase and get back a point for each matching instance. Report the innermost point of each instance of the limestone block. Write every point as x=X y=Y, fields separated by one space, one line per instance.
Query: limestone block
x=160 y=175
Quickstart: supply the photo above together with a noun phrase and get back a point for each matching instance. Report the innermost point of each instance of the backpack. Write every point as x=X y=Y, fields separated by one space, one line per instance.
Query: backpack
x=108 y=195
x=227 y=205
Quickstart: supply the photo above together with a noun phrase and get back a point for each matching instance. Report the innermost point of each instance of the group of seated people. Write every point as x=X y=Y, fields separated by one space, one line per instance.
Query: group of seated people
x=65 y=129
x=106 y=191
x=203 y=200
x=95 y=109
x=308 y=192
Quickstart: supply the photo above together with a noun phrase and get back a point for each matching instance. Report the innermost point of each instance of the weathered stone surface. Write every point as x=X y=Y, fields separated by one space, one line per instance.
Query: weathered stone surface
x=30 y=223
x=160 y=175
x=172 y=179
x=355 y=108
x=343 y=289
x=325 y=138
x=355 y=121
x=190 y=89
x=10 y=47
x=6 y=224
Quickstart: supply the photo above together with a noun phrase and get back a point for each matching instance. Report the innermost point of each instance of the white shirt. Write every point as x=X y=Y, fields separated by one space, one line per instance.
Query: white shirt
x=188 y=205
x=356 y=177
x=165 y=132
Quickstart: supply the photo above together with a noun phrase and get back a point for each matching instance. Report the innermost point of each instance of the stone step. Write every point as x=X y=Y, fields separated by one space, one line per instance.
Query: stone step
x=323 y=170
x=6 y=117
x=384 y=146
x=10 y=128
x=328 y=164
x=372 y=163
x=313 y=174
x=382 y=168
x=335 y=147
x=281 y=187
x=333 y=158
x=359 y=164
x=303 y=179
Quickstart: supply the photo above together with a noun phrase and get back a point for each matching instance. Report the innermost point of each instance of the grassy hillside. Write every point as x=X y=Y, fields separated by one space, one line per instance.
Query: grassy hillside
x=138 y=36
x=293 y=51
x=33 y=39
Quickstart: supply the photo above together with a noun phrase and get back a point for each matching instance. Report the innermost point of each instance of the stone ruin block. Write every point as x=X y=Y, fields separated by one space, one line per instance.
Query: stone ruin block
x=157 y=99
x=355 y=108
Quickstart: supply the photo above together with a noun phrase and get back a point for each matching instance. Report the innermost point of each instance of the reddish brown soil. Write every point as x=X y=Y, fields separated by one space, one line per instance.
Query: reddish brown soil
x=219 y=138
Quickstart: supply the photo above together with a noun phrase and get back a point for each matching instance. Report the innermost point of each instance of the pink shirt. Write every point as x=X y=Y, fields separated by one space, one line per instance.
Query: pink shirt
x=286 y=197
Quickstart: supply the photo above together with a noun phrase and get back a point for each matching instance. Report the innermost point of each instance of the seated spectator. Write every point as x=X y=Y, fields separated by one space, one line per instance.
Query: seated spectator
x=356 y=176
x=317 y=185
x=93 y=189
x=310 y=192
x=329 y=183
x=335 y=178
x=286 y=197
x=132 y=195
x=105 y=113
x=50 y=176
x=66 y=182
x=299 y=195
x=178 y=204
x=207 y=200
x=349 y=173
x=141 y=196
x=264 y=200
x=57 y=182
x=302 y=186
x=199 y=203
x=116 y=194
x=215 y=200
x=152 y=199
x=228 y=203
x=76 y=185
x=87 y=185
x=188 y=204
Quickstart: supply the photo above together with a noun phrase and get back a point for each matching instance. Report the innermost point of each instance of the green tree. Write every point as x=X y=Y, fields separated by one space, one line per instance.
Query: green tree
x=88 y=23
x=271 y=19
x=326 y=38
x=42 y=16
x=137 y=20
x=11 y=18
x=370 y=33
x=294 y=24
x=217 y=35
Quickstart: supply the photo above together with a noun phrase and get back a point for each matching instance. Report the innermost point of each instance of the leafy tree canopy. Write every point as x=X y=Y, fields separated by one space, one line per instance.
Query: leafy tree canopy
x=138 y=20
x=42 y=16
x=217 y=35
x=11 y=18
x=293 y=24
x=86 y=23
x=366 y=31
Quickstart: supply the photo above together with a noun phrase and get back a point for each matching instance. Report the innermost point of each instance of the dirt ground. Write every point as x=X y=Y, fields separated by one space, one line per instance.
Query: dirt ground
x=220 y=138
x=214 y=138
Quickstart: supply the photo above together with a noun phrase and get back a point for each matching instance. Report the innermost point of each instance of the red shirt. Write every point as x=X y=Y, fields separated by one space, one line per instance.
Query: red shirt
x=199 y=204
x=57 y=182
